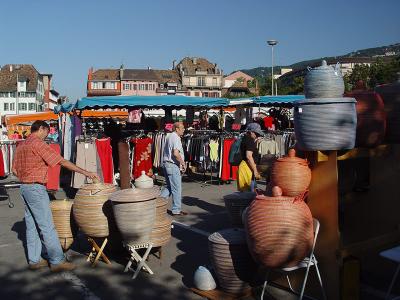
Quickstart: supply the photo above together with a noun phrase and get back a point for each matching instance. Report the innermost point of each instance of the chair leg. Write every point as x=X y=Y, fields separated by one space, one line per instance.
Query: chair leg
x=265 y=286
x=320 y=282
x=305 y=281
x=393 y=281
x=290 y=285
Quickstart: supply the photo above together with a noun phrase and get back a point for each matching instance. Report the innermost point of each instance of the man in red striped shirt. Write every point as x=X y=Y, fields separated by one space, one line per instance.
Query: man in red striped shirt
x=31 y=161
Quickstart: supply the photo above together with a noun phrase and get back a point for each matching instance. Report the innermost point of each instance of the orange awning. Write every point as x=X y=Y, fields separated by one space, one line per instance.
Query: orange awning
x=20 y=119
x=104 y=114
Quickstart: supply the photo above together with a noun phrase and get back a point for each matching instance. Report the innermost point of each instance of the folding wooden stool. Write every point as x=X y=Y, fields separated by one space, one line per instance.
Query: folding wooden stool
x=140 y=260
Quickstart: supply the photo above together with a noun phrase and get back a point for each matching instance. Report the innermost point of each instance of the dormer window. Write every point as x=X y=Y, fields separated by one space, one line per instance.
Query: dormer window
x=22 y=83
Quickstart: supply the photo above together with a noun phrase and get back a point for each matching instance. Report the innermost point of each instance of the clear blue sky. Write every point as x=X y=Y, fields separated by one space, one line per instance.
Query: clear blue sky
x=66 y=38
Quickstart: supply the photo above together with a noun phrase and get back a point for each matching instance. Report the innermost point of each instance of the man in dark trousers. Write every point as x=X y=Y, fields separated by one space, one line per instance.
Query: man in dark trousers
x=31 y=161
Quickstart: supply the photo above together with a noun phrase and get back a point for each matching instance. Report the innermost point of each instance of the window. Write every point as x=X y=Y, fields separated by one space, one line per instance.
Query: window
x=22 y=106
x=146 y=87
x=6 y=106
x=12 y=106
x=214 y=81
x=141 y=87
x=201 y=81
x=32 y=106
x=205 y=94
x=135 y=86
x=196 y=94
x=110 y=85
x=127 y=86
x=95 y=85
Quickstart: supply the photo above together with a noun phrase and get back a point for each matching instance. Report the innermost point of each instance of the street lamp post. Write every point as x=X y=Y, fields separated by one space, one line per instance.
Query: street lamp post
x=272 y=43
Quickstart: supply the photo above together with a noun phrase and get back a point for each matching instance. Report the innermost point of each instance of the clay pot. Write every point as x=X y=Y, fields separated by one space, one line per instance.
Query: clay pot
x=371 y=117
x=292 y=174
x=236 y=203
x=231 y=260
x=92 y=210
x=279 y=230
x=390 y=94
x=61 y=211
x=135 y=213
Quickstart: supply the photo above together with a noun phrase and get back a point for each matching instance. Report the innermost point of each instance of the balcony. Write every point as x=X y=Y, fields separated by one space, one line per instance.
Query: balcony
x=103 y=92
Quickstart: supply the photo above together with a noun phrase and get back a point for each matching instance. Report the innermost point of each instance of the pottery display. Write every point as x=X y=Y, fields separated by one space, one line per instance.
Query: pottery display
x=144 y=181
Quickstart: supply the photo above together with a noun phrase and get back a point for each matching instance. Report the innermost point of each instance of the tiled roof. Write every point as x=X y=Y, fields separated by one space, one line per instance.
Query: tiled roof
x=237 y=75
x=139 y=74
x=192 y=64
x=8 y=78
x=105 y=74
x=165 y=76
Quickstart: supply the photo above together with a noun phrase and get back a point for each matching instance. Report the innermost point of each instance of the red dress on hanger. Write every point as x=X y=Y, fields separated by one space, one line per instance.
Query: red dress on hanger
x=142 y=158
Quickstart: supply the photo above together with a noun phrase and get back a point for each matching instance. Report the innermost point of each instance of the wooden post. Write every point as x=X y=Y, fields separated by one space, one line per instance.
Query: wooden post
x=323 y=203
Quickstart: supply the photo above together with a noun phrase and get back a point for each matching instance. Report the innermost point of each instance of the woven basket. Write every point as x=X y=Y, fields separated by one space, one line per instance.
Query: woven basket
x=292 y=174
x=161 y=232
x=279 y=230
x=236 y=203
x=135 y=213
x=61 y=211
x=231 y=260
x=92 y=209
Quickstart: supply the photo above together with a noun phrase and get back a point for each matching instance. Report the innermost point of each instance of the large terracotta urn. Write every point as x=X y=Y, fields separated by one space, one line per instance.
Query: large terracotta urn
x=61 y=211
x=279 y=230
x=231 y=260
x=92 y=209
x=371 y=116
x=390 y=94
x=135 y=213
x=291 y=174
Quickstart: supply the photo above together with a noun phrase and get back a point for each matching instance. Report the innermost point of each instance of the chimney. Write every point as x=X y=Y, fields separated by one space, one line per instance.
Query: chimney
x=121 y=72
x=194 y=60
x=148 y=68
x=173 y=64
x=11 y=68
x=90 y=74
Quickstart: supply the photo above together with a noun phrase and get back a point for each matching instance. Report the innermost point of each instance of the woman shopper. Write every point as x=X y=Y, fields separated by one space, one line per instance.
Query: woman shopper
x=247 y=172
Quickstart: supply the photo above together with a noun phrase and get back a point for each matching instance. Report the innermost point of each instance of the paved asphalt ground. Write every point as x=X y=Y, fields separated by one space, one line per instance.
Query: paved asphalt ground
x=173 y=274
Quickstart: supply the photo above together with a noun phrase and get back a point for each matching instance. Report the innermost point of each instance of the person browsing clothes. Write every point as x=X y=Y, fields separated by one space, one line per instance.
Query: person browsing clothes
x=31 y=161
x=174 y=166
x=247 y=172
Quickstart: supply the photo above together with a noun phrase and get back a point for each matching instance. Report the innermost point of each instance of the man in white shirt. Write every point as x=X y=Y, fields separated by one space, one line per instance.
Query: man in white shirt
x=174 y=166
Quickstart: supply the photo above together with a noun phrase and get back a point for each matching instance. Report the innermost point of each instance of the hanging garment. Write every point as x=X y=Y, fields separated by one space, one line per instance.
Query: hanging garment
x=86 y=158
x=104 y=151
x=244 y=177
x=269 y=123
x=2 y=170
x=67 y=137
x=214 y=150
x=240 y=116
x=228 y=172
x=142 y=157
x=123 y=153
x=53 y=173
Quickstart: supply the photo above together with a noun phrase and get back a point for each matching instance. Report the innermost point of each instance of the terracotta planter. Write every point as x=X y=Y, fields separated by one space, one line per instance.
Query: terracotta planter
x=391 y=98
x=61 y=211
x=135 y=213
x=279 y=230
x=371 y=117
x=291 y=174
x=231 y=260
x=92 y=210
x=236 y=203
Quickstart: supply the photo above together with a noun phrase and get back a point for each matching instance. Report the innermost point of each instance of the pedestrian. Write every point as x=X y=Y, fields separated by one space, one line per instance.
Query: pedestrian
x=247 y=172
x=174 y=166
x=32 y=159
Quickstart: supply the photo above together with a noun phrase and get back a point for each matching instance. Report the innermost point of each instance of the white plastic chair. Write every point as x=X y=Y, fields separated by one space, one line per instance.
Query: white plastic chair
x=394 y=255
x=307 y=262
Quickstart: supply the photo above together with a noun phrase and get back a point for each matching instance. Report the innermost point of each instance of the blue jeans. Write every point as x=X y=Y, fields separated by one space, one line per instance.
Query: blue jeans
x=39 y=223
x=173 y=180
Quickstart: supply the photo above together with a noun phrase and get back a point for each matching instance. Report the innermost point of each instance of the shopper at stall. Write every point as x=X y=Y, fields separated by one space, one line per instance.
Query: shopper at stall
x=174 y=166
x=247 y=172
x=32 y=159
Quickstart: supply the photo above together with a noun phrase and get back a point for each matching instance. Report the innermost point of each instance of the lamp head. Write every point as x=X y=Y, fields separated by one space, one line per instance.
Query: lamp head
x=272 y=42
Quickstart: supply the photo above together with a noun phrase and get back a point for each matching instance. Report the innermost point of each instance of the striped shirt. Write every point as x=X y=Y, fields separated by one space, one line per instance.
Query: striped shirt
x=32 y=159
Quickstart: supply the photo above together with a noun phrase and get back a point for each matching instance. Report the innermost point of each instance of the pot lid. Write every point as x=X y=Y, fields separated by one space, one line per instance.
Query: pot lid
x=325 y=67
x=240 y=195
x=292 y=158
x=231 y=236
x=143 y=178
x=135 y=195
x=324 y=101
x=276 y=195
x=96 y=188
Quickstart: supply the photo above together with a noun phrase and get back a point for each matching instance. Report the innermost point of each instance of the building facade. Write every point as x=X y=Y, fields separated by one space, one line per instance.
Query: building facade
x=138 y=82
x=22 y=89
x=103 y=82
x=200 y=77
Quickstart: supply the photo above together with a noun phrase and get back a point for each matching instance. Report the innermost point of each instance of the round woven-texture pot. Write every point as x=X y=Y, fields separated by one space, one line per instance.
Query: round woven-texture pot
x=390 y=94
x=324 y=82
x=61 y=211
x=231 y=260
x=326 y=124
x=291 y=174
x=279 y=230
x=371 y=117
x=135 y=214
x=235 y=204
x=91 y=208
x=161 y=232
